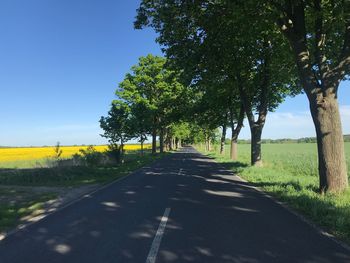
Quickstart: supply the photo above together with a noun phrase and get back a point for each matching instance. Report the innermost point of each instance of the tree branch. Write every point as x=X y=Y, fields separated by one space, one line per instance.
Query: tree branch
x=338 y=72
x=320 y=37
x=246 y=102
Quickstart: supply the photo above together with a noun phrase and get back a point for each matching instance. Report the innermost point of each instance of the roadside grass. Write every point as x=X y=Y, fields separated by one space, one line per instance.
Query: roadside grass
x=16 y=204
x=23 y=164
x=290 y=175
x=75 y=175
x=12 y=212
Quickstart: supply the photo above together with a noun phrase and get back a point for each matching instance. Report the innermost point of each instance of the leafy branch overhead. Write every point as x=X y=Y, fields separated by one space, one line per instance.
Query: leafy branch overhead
x=263 y=51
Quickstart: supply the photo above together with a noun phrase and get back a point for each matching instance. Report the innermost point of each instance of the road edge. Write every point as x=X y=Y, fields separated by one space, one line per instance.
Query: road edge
x=317 y=228
x=21 y=227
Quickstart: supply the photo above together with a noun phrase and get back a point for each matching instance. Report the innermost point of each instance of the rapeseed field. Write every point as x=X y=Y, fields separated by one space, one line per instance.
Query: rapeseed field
x=37 y=153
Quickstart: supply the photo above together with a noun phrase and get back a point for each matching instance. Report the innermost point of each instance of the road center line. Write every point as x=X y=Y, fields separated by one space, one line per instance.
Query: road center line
x=152 y=255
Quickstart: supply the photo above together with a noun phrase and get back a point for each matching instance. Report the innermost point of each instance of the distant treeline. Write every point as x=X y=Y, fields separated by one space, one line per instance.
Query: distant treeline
x=286 y=140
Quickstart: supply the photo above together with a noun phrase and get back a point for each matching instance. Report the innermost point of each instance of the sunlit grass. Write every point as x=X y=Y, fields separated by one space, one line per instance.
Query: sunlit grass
x=10 y=214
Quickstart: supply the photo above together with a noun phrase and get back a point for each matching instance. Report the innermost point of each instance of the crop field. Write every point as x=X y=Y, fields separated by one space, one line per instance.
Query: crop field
x=27 y=157
x=290 y=174
x=298 y=159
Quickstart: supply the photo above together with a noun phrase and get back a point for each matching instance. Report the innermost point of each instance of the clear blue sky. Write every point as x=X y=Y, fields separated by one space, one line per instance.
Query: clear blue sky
x=61 y=61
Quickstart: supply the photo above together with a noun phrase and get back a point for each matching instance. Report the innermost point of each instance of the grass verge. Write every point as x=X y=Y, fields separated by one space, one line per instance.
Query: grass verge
x=291 y=179
x=74 y=175
x=12 y=212
x=16 y=203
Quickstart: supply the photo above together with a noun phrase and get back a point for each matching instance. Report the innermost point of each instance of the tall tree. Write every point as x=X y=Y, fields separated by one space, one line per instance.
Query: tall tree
x=318 y=32
x=225 y=40
x=116 y=125
x=143 y=85
x=157 y=89
x=140 y=122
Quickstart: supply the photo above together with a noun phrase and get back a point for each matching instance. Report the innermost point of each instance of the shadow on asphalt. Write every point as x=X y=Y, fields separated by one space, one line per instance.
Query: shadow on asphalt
x=214 y=218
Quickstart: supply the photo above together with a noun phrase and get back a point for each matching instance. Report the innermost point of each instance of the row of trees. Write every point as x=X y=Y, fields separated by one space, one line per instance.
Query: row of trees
x=244 y=57
x=151 y=102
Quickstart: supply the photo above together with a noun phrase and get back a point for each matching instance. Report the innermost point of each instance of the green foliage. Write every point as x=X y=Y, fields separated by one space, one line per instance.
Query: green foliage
x=347 y=138
x=261 y=51
x=229 y=54
x=140 y=122
x=153 y=92
x=181 y=130
x=114 y=152
x=91 y=156
x=116 y=125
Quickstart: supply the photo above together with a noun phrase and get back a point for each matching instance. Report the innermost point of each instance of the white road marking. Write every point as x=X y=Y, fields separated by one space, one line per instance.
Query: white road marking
x=180 y=172
x=152 y=255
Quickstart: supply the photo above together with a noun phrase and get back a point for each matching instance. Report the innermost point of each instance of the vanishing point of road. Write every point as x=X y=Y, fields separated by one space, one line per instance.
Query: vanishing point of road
x=182 y=208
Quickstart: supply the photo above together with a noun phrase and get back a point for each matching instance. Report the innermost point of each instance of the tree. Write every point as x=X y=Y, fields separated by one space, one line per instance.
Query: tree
x=57 y=151
x=116 y=126
x=157 y=89
x=216 y=40
x=140 y=122
x=236 y=124
x=319 y=36
x=181 y=132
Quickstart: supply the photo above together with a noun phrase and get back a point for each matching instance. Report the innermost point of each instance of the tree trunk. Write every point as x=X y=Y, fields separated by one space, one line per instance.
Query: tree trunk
x=330 y=145
x=223 y=138
x=256 y=131
x=235 y=132
x=154 y=141
x=141 y=146
x=167 y=141
x=171 y=145
x=321 y=88
x=161 y=140
x=234 y=152
x=122 y=151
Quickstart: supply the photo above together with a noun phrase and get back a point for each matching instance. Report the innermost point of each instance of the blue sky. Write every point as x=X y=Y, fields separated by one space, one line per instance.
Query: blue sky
x=61 y=61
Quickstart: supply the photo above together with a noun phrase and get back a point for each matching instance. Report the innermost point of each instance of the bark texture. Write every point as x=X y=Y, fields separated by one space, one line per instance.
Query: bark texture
x=320 y=81
x=236 y=129
x=256 y=126
x=223 y=138
x=141 y=146
x=154 y=141
x=256 y=131
x=234 y=151
x=161 y=140
x=330 y=145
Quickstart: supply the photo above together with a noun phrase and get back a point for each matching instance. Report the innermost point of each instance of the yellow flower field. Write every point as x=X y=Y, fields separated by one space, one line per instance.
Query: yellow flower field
x=35 y=153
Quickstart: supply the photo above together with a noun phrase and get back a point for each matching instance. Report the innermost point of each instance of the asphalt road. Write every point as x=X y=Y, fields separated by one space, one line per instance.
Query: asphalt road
x=183 y=208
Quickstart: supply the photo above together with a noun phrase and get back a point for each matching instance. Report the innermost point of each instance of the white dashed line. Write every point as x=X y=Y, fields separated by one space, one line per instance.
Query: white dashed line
x=152 y=255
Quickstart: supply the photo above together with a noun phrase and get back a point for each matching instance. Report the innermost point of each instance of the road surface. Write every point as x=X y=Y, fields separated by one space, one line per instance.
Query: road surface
x=183 y=208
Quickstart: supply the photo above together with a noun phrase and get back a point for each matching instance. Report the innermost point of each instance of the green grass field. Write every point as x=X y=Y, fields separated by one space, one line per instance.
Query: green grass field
x=290 y=174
